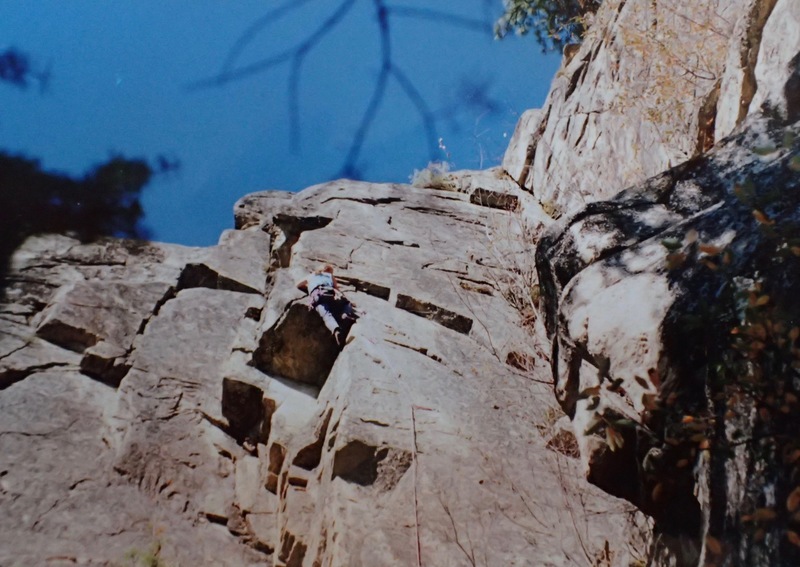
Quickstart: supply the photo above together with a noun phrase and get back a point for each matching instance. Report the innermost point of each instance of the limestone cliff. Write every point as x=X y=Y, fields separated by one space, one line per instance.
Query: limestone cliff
x=180 y=406
x=654 y=83
x=677 y=124
x=160 y=399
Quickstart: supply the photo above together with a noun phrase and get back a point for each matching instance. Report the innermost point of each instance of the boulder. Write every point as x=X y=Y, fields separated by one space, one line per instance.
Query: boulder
x=641 y=293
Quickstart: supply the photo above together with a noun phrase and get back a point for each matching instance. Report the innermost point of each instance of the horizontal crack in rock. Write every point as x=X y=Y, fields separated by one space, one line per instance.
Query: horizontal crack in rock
x=421 y=350
x=494 y=200
x=11 y=376
x=366 y=200
x=440 y=315
x=201 y=275
x=364 y=286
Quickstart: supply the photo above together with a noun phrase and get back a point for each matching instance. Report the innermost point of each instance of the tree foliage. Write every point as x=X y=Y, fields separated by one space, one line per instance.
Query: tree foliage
x=554 y=23
x=741 y=408
x=17 y=69
x=104 y=201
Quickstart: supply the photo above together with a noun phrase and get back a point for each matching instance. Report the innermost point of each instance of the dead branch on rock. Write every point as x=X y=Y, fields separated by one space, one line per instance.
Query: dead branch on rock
x=468 y=553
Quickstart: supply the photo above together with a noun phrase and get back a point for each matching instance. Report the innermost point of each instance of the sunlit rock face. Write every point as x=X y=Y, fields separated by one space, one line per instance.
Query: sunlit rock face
x=629 y=288
x=652 y=85
x=630 y=281
x=184 y=403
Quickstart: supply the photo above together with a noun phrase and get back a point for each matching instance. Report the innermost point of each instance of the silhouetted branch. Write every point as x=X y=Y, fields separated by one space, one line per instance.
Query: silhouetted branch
x=349 y=167
x=294 y=101
x=297 y=54
x=265 y=64
x=445 y=17
x=256 y=28
x=428 y=118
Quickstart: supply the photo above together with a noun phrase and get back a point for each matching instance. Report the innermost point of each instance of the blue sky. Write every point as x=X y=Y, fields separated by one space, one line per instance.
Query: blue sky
x=121 y=76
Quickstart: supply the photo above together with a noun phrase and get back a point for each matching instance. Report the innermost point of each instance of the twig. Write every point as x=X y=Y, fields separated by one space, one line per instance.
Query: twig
x=259 y=66
x=297 y=55
x=471 y=553
x=256 y=28
x=440 y=16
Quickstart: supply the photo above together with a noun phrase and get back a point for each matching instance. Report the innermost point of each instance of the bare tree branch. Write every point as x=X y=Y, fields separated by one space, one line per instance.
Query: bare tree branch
x=440 y=16
x=349 y=167
x=297 y=54
x=294 y=100
x=428 y=118
x=255 y=29
x=265 y=64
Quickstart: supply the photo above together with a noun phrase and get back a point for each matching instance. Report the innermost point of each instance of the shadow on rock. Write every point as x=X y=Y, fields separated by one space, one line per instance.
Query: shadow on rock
x=298 y=347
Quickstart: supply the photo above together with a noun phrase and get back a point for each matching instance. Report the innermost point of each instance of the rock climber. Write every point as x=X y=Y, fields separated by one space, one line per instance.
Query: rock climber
x=337 y=312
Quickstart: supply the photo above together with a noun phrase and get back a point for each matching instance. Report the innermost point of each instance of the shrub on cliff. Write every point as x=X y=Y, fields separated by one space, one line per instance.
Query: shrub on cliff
x=554 y=23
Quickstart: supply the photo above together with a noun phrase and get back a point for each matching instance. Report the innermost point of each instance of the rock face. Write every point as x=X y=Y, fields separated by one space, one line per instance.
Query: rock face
x=635 y=290
x=642 y=286
x=183 y=404
x=652 y=85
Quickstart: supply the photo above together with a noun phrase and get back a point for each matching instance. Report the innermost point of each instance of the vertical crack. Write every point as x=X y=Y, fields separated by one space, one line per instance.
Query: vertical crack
x=749 y=54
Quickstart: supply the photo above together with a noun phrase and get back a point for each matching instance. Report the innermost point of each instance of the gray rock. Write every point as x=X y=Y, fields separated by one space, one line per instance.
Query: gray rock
x=181 y=404
x=622 y=282
x=185 y=404
x=652 y=85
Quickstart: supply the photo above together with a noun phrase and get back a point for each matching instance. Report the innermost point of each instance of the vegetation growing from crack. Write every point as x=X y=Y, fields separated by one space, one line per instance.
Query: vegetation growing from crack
x=681 y=46
x=509 y=244
x=435 y=176
x=749 y=353
x=150 y=557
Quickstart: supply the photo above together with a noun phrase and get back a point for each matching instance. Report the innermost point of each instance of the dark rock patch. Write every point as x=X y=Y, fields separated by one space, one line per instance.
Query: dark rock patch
x=364 y=286
x=248 y=412
x=292 y=227
x=494 y=200
x=200 y=275
x=358 y=462
x=309 y=457
x=297 y=347
x=444 y=317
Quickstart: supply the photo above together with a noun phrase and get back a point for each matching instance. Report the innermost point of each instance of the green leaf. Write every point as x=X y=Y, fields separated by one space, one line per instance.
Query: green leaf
x=623 y=423
x=788 y=139
x=672 y=244
x=794 y=163
x=765 y=150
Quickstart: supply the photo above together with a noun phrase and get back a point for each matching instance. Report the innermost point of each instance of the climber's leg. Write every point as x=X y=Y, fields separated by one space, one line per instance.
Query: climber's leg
x=327 y=317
